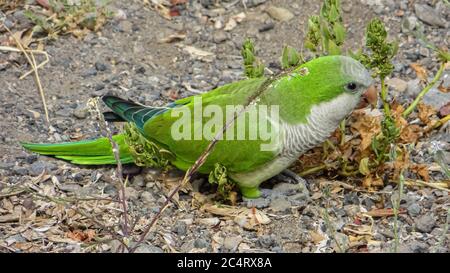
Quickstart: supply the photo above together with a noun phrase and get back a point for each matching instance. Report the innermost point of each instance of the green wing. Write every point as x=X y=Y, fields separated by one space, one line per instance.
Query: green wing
x=236 y=155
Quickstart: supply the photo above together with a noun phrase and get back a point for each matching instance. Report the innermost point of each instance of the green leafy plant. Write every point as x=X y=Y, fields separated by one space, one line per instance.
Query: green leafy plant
x=253 y=67
x=326 y=32
x=63 y=17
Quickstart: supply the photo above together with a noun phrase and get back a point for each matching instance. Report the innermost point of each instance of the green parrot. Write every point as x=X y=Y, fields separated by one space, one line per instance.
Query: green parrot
x=310 y=102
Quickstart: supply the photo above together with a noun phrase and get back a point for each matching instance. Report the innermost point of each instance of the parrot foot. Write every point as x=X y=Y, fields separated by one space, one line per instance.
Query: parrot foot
x=292 y=177
x=250 y=192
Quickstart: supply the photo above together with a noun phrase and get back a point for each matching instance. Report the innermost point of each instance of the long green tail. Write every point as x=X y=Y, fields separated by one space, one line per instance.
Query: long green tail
x=86 y=152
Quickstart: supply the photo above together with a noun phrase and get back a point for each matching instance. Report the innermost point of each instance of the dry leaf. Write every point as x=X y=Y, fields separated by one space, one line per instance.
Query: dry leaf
x=371 y=182
x=247 y=218
x=442 y=88
x=411 y=133
x=425 y=112
x=81 y=236
x=367 y=127
x=198 y=53
x=420 y=71
x=174 y=38
x=383 y=212
x=421 y=170
x=316 y=237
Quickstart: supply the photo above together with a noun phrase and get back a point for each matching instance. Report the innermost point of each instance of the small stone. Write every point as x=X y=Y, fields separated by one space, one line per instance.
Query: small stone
x=397 y=84
x=148 y=249
x=69 y=187
x=138 y=181
x=213 y=221
x=418 y=247
x=414 y=209
x=147 y=198
x=6 y=165
x=201 y=243
x=180 y=228
x=266 y=27
x=220 y=36
x=436 y=98
x=81 y=112
x=351 y=198
x=38 y=167
x=101 y=66
x=409 y=24
x=425 y=223
x=413 y=88
x=280 y=14
x=20 y=170
x=257 y=202
x=125 y=26
x=89 y=72
x=429 y=15
x=280 y=204
x=131 y=193
x=266 y=241
x=232 y=242
x=287 y=189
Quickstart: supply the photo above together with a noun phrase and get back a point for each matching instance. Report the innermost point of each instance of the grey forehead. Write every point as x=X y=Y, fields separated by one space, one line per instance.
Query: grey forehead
x=356 y=70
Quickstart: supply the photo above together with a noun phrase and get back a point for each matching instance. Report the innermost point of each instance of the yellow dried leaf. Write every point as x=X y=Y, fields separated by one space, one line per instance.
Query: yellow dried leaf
x=368 y=127
x=425 y=112
x=421 y=170
x=410 y=134
x=443 y=89
x=420 y=72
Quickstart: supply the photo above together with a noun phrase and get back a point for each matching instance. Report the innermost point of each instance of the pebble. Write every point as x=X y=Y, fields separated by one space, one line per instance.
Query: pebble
x=125 y=26
x=131 y=193
x=180 y=228
x=257 y=202
x=280 y=204
x=413 y=88
x=429 y=15
x=20 y=170
x=397 y=84
x=138 y=181
x=81 y=112
x=6 y=165
x=147 y=198
x=414 y=209
x=425 y=223
x=280 y=14
x=213 y=221
x=38 y=167
x=220 y=36
x=101 y=66
x=201 y=243
x=148 y=249
x=232 y=242
x=266 y=241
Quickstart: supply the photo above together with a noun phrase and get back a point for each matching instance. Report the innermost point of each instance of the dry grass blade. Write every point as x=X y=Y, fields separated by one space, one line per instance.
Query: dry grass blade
x=32 y=61
x=40 y=65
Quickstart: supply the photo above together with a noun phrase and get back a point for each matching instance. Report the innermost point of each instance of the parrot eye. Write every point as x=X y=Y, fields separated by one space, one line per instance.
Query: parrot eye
x=351 y=86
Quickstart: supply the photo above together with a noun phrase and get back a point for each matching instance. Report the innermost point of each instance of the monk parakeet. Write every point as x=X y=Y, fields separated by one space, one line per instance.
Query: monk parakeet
x=310 y=102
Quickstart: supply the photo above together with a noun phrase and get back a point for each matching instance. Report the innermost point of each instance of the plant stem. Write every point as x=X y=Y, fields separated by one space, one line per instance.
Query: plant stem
x=396 y=207
x=424 y=91
x=387 y=111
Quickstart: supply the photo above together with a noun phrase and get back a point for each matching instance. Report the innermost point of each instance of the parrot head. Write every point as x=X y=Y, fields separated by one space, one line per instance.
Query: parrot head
x=330 y=86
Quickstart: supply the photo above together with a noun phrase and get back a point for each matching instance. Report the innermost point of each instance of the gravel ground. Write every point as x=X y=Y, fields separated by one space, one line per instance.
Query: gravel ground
x=127 y=58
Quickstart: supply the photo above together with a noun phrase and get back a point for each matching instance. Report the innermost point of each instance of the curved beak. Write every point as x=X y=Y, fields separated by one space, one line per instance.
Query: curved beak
x=369 y=97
